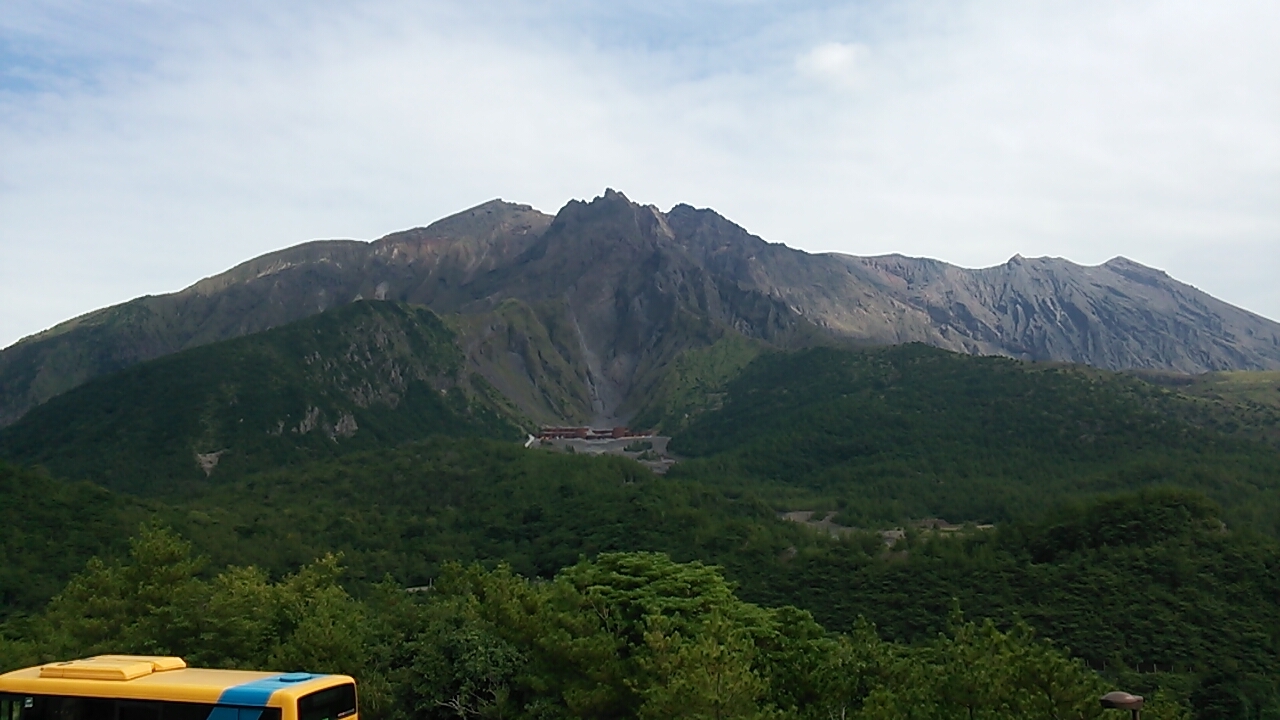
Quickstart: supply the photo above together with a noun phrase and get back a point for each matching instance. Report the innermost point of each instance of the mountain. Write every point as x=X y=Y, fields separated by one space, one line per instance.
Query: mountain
x=577 y=317
x=879 y=435
x=365 y=375
x=262 y=293
x=366 y=430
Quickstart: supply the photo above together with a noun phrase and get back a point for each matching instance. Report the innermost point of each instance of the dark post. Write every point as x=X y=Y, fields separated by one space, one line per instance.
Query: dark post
x=1123 y=701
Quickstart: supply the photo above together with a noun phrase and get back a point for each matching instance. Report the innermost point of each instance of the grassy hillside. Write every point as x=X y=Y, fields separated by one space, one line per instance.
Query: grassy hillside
x=1246 y=404
x=363 y=376
x=1238 y=387
x=905 y=432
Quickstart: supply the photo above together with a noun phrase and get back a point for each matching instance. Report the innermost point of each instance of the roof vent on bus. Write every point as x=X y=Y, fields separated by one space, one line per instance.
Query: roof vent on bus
x=112 y=667
x=295 y=677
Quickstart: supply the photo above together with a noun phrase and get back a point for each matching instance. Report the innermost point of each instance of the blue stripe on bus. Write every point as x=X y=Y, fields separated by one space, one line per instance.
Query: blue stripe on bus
x=258 y=692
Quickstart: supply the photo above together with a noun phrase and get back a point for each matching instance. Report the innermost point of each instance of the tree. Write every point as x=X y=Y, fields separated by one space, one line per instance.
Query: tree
x=705 y=676
x=156 y=603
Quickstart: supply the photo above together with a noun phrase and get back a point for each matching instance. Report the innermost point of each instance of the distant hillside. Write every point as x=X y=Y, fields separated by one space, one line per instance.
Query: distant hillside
x=592 y=305
x=888 y=434
x=1260 y=389
x=366 y=375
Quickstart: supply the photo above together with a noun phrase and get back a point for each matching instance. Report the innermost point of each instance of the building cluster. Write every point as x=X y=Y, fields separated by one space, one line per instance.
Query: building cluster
x=586 y=433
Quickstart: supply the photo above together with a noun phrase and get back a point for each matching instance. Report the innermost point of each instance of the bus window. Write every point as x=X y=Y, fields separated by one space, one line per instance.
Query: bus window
x=330 y=704
x=228 y=712
x=10 y=707
x=129 y=710
x=185 y=711
x=71 y=708
x=53 y=707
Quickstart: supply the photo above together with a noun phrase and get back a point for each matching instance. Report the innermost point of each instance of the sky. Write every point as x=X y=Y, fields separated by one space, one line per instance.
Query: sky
x=145 y=144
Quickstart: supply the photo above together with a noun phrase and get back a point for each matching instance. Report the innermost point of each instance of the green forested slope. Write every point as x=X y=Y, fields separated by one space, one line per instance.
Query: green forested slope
x=533 y=356
x=48 y=528
x=362 y=376
x=911 y=432
x=409 y=510
x=695 y=382
x=405 y=512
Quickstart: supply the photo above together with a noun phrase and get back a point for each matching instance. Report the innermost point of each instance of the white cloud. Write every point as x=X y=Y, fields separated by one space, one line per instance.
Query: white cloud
x=181 y=138
x=836 y=61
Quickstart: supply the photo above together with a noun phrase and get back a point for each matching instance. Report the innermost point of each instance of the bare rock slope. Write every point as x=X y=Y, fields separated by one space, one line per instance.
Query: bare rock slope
x=576 y=316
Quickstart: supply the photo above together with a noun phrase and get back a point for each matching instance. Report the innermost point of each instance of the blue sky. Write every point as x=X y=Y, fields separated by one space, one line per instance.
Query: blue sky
x=145 y=144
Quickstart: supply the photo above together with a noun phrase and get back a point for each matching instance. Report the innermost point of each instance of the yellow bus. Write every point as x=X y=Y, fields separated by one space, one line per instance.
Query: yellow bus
x=138 y=687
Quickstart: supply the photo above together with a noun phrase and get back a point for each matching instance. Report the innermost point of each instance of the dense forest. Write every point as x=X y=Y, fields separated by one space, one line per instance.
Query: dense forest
x=1147 y=589
x=625 y=635
x=916 y=432
x=1114 y=533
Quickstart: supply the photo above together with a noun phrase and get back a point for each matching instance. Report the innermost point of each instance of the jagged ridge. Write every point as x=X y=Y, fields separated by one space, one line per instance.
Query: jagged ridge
x=597 y=302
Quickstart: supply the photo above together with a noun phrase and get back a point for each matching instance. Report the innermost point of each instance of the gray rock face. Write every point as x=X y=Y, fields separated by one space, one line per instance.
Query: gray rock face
x=620 y=289
x=1119 y=315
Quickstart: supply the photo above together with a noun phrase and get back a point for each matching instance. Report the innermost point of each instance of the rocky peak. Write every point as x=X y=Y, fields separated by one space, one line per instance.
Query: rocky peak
x=1137 y=272
x=496 y=225
x=708 y=234
x=610 y=218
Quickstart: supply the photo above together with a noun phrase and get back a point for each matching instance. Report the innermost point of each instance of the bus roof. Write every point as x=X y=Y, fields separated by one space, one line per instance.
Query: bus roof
x=142 y=677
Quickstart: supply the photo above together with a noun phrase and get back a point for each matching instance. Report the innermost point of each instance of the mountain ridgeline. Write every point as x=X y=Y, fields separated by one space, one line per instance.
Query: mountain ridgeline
x=574 y=317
